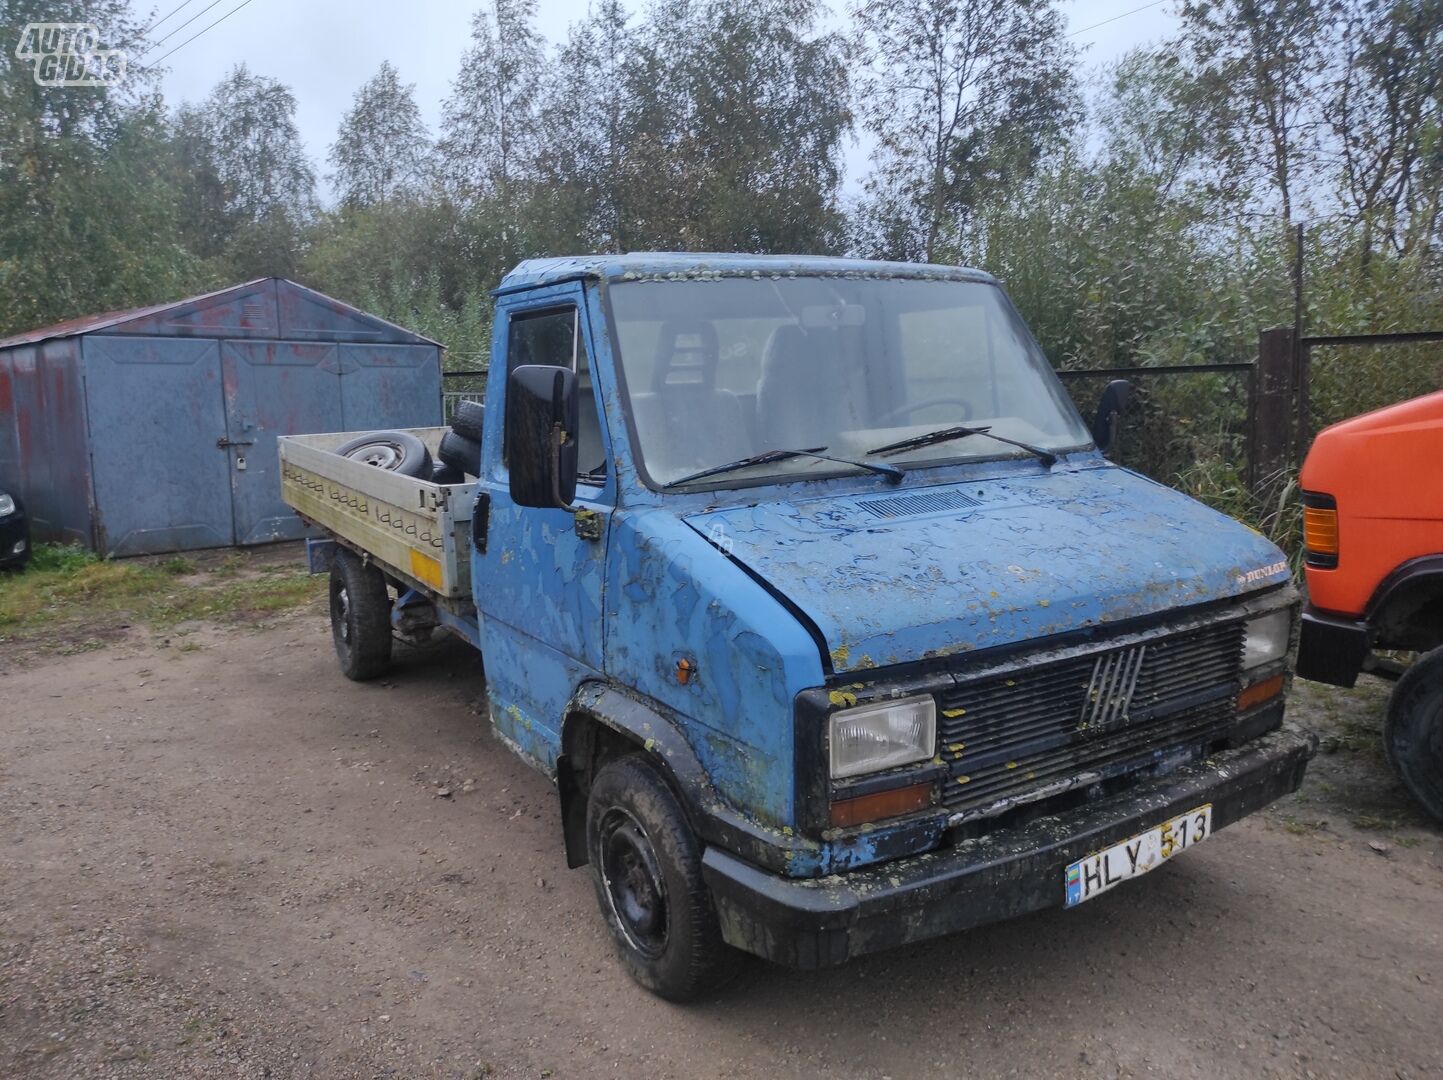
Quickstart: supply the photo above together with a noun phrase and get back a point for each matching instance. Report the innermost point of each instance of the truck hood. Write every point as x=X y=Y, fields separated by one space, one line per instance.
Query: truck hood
x=914 y=573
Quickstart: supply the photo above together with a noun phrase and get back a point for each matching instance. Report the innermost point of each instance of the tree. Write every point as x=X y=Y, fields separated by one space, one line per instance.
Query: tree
x=768 y=111
x=963 y=97
x=381 y=148
x=1149 y=114
x=250 y=126
x=200 y=196
x=87 y=218
x=584 y=133
x=248 y=151
x=1260 y=65
x=490 y=119
x=1385 y=115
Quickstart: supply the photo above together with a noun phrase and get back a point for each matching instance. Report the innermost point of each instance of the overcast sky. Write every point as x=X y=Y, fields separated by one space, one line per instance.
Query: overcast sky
x=325 y=49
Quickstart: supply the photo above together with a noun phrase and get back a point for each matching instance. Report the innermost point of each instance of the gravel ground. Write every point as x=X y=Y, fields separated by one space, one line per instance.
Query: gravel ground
x=219 y=858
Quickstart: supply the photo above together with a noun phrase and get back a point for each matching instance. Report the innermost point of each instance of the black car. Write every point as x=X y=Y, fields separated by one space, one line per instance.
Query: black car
x=14 y=532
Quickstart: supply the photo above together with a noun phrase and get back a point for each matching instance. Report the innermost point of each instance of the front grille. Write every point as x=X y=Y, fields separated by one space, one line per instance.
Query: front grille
x=1010 y=738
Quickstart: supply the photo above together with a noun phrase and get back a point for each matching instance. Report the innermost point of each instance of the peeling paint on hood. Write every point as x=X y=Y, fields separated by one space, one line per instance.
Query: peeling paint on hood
x=1002 y=561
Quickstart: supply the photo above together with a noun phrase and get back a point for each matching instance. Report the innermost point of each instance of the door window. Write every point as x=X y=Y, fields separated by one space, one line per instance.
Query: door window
x=554 y=338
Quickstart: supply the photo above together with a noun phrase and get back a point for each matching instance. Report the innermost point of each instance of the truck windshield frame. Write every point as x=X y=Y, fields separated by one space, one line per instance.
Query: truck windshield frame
x=712 y=370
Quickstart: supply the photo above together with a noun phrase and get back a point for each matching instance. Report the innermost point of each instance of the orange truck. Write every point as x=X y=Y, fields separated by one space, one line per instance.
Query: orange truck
x=1373 y=539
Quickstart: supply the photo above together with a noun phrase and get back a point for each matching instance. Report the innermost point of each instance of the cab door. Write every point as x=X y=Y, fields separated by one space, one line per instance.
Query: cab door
x=539 y=580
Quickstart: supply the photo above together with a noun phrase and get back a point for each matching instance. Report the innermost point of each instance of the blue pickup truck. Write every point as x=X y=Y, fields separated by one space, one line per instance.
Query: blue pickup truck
x=807 y=585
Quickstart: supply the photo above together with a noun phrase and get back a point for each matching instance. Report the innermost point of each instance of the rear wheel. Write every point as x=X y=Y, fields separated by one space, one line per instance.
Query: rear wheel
x=646 y=865
x=1413 y=735
x=360 y=617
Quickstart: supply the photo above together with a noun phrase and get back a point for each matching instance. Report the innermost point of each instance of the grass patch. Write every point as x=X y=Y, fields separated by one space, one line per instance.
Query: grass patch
x=63 y=581
x=70 y=601
x=64 y=558
x=238 y=597
x=1303 y=828
x=1369 y=823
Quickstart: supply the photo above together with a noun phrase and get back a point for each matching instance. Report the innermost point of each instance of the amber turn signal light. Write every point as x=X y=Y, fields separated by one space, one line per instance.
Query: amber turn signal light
x=1260 y=692
x=1320 y=530
x=883 y=804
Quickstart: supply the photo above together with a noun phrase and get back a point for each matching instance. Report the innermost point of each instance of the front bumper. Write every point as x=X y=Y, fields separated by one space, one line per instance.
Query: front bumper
x=1331 y=648
x=14 y=529
x=818 y=922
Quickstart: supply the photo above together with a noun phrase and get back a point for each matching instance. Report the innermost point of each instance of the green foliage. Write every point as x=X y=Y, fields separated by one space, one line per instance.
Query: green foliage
x=60 y=558
x=381 y=150
x=963 y=97
x=68 y=600
x=1144 y=223
x=92 y=228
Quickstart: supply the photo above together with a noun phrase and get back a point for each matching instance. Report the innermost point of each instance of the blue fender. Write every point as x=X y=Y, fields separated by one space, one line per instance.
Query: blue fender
x=657 y=732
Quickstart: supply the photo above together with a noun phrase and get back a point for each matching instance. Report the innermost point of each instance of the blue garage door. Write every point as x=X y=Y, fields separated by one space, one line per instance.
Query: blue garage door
x=155 y=414
x=273 y=388
x=390 y=386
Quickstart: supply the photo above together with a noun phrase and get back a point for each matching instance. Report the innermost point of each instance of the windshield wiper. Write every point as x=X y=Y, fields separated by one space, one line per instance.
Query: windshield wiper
x=931 y=438
x=766 y=457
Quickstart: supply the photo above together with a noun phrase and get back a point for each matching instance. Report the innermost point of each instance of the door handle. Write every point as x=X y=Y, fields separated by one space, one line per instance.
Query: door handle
x=480 y=521
x=223 y=442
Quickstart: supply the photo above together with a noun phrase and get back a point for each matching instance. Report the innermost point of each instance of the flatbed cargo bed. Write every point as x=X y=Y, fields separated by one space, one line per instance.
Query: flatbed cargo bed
x=419 y=532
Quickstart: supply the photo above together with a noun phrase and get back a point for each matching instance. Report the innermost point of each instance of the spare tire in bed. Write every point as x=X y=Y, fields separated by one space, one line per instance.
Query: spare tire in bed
x=469 y=420
x=441 y=473
x=460 y=452
x=395 y=451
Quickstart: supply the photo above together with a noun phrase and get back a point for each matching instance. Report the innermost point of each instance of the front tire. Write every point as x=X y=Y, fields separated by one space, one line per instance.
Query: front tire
x=360 y=617
x=646 y=865
x=1413 y=734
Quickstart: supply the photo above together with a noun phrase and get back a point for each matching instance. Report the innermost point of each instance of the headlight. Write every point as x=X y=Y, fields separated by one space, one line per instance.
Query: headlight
x=7 y=506
x=1267 y=638
x=875 y=737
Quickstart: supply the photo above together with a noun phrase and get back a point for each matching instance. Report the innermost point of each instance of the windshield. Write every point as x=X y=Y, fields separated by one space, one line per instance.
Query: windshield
x=722 y=370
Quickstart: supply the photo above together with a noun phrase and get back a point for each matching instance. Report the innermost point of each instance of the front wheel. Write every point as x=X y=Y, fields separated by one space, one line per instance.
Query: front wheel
x=1413 y=735
x=360 y=617
x=646 y=865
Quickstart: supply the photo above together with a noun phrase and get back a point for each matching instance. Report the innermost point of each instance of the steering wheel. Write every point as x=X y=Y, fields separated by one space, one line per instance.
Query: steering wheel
x=916 y=406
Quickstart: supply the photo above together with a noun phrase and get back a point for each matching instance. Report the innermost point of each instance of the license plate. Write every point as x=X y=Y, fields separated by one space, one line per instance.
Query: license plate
x=1134 y=857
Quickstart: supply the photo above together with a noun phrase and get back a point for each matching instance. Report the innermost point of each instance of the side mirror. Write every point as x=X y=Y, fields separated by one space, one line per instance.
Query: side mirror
x=542 y=417
x=1115 y=397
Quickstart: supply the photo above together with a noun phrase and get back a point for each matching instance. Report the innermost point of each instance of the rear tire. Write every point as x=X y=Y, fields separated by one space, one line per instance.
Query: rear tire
x=1413 y=734
x=360 y=617
x=646 y=865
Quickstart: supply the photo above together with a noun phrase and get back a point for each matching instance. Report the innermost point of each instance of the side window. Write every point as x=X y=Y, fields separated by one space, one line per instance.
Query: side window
x=554 y=337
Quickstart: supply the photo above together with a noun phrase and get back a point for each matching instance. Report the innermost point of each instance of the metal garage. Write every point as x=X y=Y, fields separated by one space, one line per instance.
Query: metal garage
x=155 y=429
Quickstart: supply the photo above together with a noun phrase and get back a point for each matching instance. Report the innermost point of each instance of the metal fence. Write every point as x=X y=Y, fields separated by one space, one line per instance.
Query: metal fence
x=1181 y=416
x=1296 y=396
x=461 y=386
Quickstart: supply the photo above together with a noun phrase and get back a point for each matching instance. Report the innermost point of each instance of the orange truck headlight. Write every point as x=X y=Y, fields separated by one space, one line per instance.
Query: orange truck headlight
x=1320 y=530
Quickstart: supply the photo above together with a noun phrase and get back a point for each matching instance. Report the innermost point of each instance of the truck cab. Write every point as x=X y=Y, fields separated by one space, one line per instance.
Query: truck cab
x=809 y=587
x=1373 y=542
